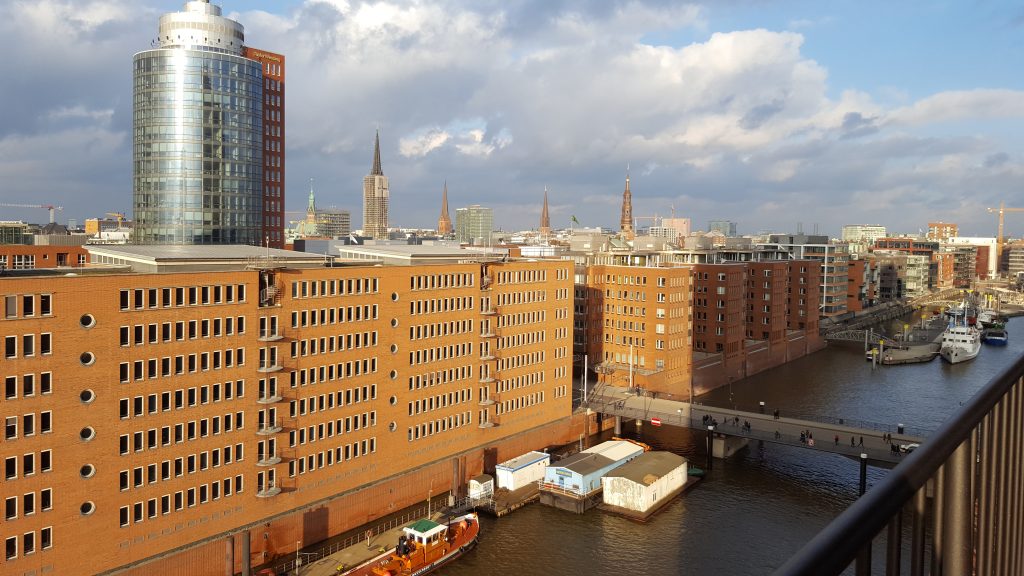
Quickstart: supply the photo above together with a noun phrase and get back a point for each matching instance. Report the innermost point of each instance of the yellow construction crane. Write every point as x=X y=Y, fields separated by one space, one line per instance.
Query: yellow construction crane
x=49 y=207
x=120 y=218
x=999 y=236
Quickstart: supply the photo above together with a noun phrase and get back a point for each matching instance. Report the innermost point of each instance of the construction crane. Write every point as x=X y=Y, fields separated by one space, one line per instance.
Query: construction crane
x=49 y=207
x=999 y=236
x=120 y=218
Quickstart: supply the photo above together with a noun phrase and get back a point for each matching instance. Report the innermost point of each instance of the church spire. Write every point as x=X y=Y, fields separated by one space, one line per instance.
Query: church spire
x=311 y=206
x=626 y=220
x=444 y=223
x=545 y=220
x=376 y=171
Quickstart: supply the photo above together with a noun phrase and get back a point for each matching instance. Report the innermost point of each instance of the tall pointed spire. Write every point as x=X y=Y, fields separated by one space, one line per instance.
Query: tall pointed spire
x=545 y=220
x=311 y=206
x=626 y=220
x=444 y=223
x=376 y=171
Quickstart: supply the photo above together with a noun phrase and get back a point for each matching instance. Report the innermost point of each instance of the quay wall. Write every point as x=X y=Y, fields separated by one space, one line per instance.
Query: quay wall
x=715 y=370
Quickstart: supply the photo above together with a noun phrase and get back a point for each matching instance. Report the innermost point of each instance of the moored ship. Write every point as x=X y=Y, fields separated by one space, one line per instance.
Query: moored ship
x=960 y=343
x=423 y=547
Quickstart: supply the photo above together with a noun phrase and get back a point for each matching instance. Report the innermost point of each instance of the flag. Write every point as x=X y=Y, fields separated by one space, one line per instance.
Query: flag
x=575 y=221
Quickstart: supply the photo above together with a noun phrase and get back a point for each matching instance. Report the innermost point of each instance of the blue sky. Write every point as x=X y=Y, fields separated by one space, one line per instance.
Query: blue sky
x=771 y=114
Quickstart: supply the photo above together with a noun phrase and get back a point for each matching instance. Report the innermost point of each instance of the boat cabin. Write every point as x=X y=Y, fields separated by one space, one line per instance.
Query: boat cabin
x=425 y=532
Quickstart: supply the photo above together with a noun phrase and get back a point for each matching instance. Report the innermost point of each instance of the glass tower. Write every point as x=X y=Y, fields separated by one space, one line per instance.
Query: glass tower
x=197 y=133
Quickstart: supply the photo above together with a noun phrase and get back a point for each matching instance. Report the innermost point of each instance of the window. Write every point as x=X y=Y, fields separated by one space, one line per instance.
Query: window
x=46 y=499
x=11 y=548
x=10 y=427
x=46 y=343
x=46 y=538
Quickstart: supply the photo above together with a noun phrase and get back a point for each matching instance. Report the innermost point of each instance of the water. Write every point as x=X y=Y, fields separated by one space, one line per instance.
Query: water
x=754 y=511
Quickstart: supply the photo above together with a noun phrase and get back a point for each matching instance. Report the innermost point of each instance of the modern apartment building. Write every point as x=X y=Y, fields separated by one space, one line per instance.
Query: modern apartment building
x=208 y=134
x=833 y=257
x=194 y=411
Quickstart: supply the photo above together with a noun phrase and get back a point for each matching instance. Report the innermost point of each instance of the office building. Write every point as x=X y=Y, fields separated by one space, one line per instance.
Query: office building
x=190 y=410
x=863 y=233
x=724 y=227
x=942 y=231
x=375 y=198
x=208 y=134
x=474 y=224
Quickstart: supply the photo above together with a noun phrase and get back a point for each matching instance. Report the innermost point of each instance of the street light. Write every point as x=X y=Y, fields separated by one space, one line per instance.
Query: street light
x=298 y=557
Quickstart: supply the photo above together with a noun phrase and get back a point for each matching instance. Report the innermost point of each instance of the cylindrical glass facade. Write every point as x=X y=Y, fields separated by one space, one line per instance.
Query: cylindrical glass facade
x=197 y=148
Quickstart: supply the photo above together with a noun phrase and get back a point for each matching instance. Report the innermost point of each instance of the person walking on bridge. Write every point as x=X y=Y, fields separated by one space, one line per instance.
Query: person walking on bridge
x=837 y=439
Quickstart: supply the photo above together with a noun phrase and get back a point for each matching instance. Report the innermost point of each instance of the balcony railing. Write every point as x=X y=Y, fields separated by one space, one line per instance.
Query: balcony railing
x=961 y=490
x=270 y=336
x=268 y=428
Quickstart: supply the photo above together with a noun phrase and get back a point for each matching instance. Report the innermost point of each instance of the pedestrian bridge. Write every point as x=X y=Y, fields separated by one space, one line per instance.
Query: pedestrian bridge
x=852 y=441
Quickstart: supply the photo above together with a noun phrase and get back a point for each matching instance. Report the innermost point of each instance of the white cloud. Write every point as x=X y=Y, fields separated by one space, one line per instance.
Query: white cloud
x=424 y=143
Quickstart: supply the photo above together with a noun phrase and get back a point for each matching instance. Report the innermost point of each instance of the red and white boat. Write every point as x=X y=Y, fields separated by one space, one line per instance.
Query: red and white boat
x=424 y=546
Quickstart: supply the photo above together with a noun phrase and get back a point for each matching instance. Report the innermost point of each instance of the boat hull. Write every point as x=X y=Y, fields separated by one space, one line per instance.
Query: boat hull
x=956 y=354
x=417 y=563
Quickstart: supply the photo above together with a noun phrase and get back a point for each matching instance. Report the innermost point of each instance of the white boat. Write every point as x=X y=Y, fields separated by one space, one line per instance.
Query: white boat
x=960 y=343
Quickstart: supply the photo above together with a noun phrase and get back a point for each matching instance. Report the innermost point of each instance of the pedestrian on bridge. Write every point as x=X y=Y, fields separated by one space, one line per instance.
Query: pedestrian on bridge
x=861 y=443
x=837 y=439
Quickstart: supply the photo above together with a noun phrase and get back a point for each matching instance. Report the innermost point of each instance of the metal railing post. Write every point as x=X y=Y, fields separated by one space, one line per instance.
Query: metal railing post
x=894 y=545
x=918 y=532
x=956 y=512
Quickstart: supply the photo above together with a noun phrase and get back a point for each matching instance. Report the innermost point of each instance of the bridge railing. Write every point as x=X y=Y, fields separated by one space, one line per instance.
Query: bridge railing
x=962 y=491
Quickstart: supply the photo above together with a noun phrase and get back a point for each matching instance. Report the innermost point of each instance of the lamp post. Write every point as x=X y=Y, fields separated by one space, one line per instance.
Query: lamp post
x=298 y=557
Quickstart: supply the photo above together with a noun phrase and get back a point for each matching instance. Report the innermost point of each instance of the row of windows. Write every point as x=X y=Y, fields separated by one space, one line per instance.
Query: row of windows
x=440 y=425
x=31 y=384
x=169 y=332
x=331 y=428
x=332 y=456
x=434 y=305
x=31 y=305
x=321 y=288
x=28 y=543
x=440 y=353
x=28 y=424
x=523 y=339
x=523 y=297
x=21 y=261
x=521 y=318
x=28 y=345
x=520 y=381
x=330 y=372
x=28 y=464
x=179 y=399
x=338 y=398
x=610 y=323
x=30 y=503
x=339 y=315
x=560 y=391
x=440 y=401
x=180 y=432
x=180 y=466
x=181 y=499
x=328 y=344
x=440 y=329
x=517 y=360
x=522 y=276
x=439 y=377
x=163 y=367
x=519 y=403
x=434 y=281
x=140 y=298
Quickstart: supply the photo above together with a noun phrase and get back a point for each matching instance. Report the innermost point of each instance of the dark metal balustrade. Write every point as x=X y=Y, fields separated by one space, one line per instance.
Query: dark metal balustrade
x=962 y=492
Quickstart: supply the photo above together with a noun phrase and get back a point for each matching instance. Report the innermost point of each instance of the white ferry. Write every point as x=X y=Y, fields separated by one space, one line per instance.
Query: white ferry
x=960 y=343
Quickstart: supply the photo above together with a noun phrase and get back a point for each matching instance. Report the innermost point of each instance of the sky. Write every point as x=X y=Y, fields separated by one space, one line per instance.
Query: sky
x=781 y=116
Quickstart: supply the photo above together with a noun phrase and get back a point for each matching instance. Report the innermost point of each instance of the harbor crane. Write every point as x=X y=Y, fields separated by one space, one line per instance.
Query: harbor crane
x=999 y=237
x=49 y=207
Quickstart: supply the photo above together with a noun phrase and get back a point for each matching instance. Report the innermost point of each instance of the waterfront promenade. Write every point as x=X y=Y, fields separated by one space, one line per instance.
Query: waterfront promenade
x=853 y=440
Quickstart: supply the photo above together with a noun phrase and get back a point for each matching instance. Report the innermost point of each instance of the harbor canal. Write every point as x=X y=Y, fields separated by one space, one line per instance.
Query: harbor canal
x=755 y=510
